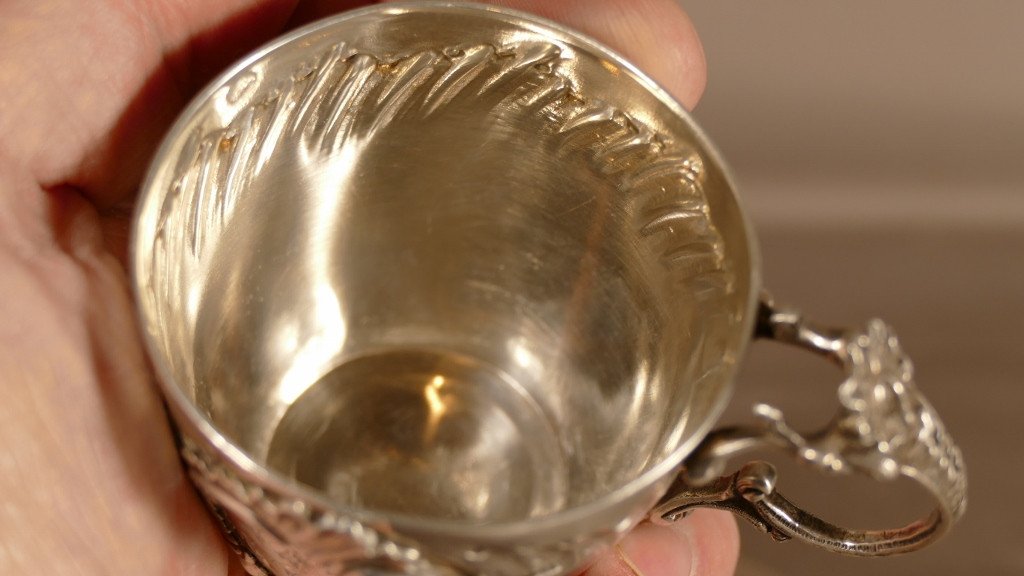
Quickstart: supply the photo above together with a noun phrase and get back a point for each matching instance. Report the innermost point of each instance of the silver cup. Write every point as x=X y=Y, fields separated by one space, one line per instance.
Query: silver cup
x=443 y=289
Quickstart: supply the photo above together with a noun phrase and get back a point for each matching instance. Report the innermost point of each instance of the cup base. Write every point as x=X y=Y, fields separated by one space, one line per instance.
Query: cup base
x=426 y=434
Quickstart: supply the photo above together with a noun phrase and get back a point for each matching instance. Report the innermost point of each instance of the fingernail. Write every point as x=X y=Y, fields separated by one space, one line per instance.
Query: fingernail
x=659 y=551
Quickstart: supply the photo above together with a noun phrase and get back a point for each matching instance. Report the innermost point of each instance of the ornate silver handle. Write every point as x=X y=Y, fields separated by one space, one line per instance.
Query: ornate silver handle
x=885 y=428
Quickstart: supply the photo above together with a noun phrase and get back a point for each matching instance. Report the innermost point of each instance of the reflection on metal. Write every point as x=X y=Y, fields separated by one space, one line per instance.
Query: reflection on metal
x=432 y=392
x=885 y=429
x=444 y=289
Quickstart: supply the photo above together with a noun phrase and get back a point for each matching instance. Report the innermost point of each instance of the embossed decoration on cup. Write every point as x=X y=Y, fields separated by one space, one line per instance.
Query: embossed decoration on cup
x=438 y=288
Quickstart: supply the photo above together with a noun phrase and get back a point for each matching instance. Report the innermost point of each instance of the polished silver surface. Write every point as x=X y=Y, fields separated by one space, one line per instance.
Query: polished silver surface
x=451 y=270
x=885 y=428
x=438 y=288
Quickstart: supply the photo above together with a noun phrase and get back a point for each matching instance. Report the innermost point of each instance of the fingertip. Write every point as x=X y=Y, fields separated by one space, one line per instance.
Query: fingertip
x=716 y=540
x=656 y=35
x=705 y=543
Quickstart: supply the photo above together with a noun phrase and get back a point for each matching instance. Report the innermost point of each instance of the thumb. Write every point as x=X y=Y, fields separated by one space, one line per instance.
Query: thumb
x=656 y=35
x=705 y=543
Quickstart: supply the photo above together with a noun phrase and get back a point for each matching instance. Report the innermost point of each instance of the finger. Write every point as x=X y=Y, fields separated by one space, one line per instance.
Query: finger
x=706 y=543
x=82 y=428
x=656 y=35
x=97 y=111
x=85 y=94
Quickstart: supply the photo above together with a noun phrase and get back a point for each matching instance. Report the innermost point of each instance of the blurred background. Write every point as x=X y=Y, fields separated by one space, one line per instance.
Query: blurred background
x=879 y=148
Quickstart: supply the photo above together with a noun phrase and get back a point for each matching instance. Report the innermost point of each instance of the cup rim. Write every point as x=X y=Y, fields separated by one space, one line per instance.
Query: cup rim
x=242 y=461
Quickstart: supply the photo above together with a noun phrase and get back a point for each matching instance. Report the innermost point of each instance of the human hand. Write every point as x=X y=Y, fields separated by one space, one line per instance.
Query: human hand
x=89 y=479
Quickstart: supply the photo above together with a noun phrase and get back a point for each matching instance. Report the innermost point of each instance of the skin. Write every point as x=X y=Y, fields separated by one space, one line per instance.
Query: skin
x=89 y=479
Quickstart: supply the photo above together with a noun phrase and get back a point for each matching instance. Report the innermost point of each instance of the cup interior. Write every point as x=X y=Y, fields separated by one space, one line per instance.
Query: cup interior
x=498 y=307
